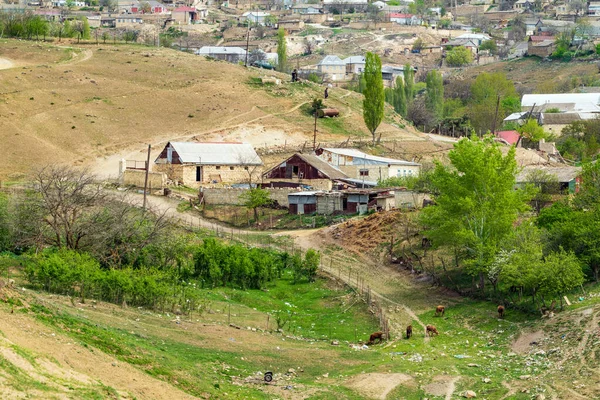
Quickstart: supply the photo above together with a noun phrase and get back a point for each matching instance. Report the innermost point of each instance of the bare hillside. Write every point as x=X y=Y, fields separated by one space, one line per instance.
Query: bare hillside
x=77 y=105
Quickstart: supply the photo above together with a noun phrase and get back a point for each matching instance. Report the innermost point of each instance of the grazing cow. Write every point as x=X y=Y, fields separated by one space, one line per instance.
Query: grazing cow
x=501 y=311
x=440 y=310
x=430 y=330
x=375 y=336
x=408 y=331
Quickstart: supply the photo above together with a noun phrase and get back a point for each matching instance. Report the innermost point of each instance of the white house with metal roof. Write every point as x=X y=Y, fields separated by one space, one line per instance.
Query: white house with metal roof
x=231 y=54
x=332 y=67
x=355 y=65
x=359 y=165
x=256 y=17
x=196 y=163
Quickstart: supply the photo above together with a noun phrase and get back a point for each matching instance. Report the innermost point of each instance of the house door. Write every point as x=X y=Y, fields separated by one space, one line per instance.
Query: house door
x=300 y=208
x=198 y=174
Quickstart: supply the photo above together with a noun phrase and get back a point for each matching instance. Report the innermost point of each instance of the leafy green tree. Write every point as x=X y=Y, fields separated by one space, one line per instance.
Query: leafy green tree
x=489 y=45
x=373 y=103
x=532 y=131
x=546 y=185
x=281 y=50
x=254 y=199
x=409 y=83
x=434 y=97
x=486 y=91
x=476 y=204
x=588 y=196
x=5 y=225
x=459 y=56
x=85 y=29
x=311 y=262
x=400 y=104
x=561 y=273
x=523 y=249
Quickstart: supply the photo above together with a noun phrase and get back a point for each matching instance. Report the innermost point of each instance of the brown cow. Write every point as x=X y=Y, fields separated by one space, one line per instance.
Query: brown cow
x=440 y=310
x=374 y=336
x=501 y=311
x=431 y=330
x=408 y=331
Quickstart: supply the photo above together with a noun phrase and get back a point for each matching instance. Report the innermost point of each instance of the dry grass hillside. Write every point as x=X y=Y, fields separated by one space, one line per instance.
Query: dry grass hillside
x=106 y=102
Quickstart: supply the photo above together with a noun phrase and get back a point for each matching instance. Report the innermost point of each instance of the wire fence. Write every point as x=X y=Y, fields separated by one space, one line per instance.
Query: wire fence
x=340 y=269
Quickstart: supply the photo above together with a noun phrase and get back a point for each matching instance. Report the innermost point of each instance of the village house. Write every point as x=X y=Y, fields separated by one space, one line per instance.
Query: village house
x=256 y=17
x=355 y=65
x=230 y=54
x=332 y=67
x=291 y=25
x=307 y=9
x=193 y=164
x=389 y=73
x=128 y=21
x=405 y=19
x=345 y=6
x=304 y=170
x=569 y=178
x=188 y=15
x=361 y=166
x=541 y=46
x=353 y=201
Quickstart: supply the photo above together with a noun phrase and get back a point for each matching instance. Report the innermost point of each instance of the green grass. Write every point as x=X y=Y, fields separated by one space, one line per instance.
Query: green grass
x=315 y=310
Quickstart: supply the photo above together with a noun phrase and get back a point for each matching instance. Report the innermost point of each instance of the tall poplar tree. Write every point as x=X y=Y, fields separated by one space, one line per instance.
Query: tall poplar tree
x=409 y=83
x=281 y=50
x=373 y=103
x=400 y=97
x=434 y=98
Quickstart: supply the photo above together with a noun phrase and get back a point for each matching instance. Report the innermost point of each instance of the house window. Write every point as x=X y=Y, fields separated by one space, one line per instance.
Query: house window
x=198 y=174
x=364 y=172
x=231 y=168
x=218 y=167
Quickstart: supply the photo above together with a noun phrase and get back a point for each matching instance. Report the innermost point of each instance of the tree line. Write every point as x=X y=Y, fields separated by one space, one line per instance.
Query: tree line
x=28 y=26
x=77 y=238
x=486 y=233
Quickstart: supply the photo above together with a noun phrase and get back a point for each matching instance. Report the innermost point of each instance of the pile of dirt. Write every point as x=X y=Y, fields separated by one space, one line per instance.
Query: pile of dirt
x=365 y=234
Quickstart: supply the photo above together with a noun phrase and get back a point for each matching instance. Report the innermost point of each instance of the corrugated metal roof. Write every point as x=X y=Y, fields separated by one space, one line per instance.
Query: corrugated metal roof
x=582 y=101
x=563 y=174
x=208 y=50
x=359 y=154
x=216 y=153
x=328 y=170
x=355 y=60
x=331 y=60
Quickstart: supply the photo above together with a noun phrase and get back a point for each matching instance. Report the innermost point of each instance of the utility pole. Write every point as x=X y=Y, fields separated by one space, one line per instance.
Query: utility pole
x=146 y=178
x=247 y=44
x=496 y=115
x=315 y=132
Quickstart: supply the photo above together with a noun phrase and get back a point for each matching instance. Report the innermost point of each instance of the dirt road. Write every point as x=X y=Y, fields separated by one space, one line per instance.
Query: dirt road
x=6 y=63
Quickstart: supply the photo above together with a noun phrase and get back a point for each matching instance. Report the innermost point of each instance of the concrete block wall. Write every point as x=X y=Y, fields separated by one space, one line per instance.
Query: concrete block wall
x=156 y=180
x=231 y=196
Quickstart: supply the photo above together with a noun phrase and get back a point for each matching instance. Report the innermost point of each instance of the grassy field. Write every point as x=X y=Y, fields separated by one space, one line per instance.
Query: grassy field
x=76 y=104
x=517 y=357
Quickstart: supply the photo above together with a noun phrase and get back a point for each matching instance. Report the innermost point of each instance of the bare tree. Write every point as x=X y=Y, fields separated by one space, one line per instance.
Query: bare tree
x=68 y=199
x=68 y=208
x=251 y=164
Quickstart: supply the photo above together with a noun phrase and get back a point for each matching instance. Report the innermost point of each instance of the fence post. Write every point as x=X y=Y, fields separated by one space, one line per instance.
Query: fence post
x=268 y=316
x=229 y=315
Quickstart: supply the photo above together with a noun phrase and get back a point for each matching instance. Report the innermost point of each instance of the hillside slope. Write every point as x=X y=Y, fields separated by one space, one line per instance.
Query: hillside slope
x=74 y=105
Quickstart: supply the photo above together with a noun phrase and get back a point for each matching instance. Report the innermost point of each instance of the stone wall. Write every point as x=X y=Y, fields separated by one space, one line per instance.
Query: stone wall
x=231 y=196
x=186 y=174
x=156 y=180
x=408 y=199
